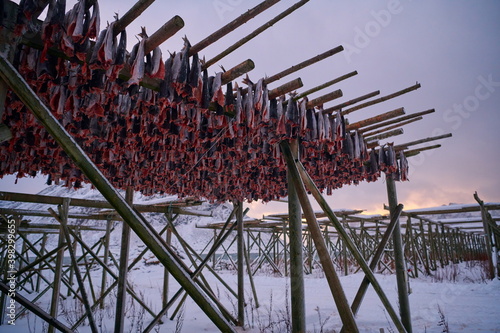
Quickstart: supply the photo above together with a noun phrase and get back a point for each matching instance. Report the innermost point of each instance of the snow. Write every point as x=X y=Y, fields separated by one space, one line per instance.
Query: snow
x=458 y=294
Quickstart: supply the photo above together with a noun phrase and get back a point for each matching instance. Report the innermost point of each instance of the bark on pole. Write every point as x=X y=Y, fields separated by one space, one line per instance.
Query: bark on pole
x=399 y=258
x=140 y=226
x=338 y=294
x=296 y=255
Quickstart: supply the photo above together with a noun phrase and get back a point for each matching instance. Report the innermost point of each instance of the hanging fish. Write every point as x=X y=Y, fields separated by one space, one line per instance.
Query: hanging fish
x=52 y=26
x=137 y=63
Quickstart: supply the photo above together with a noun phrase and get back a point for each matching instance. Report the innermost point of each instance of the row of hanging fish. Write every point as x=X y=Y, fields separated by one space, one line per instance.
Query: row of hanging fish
x=194 y=137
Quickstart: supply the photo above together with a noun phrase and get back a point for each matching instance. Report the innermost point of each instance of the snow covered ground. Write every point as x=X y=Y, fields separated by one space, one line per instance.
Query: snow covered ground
x=458 y=297
x=463 y=306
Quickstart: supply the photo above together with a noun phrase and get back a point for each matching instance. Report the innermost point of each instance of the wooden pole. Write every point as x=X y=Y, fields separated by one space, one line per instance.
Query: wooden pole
x=241 y=265
x=137 y=9
x=299 y=168
x=325 y=85
x=304 y=64
x=385 y=135
x=336 y=289
x=488 y=238
x=351 y=102
x=381 y=99
x=51 y=320
x=296 y=256
x=385 y=129
x=416 y=142
x=325 y=98
x=106 y=257
x=231 y=26
x=134 y=219
x=56 y=286
x=399 y=258
x=394 y=121
x=121 y=295
x=376 y=258
x=166 y=31
x=238 y=70
x=378 y=118
x=63 y=220
x=255 y=33
x=285 y=88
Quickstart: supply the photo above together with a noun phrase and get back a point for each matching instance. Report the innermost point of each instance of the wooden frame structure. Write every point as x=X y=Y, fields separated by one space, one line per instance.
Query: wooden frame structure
x=293 y=151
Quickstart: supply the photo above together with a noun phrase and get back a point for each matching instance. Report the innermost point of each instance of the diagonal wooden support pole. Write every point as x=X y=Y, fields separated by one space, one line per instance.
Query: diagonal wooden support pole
x=36 y=310
x=129 y=215
x=375 y=259
x=298 y=168
x=331 y=275
x=62 y=218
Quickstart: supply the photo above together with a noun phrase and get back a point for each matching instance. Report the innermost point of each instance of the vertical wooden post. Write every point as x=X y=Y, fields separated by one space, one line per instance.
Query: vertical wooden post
x=296 y=255
x=285 y=245
x=344 y=250
x=56 y=287
x=424 y=248
x=399 y=258
x=241 y=264
x=42 y=251
x=106 y=258
x=168 y=239
x=336 y=289
x=63 y=220
x=123 y=270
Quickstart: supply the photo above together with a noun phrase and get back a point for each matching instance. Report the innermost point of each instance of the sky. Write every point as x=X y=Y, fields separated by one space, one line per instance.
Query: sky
x=452 y=48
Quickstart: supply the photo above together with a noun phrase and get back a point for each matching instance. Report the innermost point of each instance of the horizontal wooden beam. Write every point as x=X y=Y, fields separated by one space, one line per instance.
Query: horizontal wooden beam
x=231 y=26
x=381 y=99
x=375 y=119
x=396 y=120
x=286 y=88
x=325 y=85
x=304 y=64
x=351 y=102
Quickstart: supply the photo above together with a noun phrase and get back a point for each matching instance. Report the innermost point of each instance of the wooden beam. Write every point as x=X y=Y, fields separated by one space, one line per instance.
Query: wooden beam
x=121 y=294
x=336 y=289
x=237 y=71
x=325 y=98
x=394 y=121
x=351 y=102
x=381 y=99
x=385 y=135
x=285 y=88
x=385 y=129
x=62 y=218
x=133 y=218
x=51 y=320
x=241 y=264
x=255 y=33
x=416 y=142
x=137 y=9
x=399 y=257
x=231 y=26
x=376 y=258
x=325 y=85
x=166 y=31
x=303 y=64
x=342 y=232
x=378 y=118
x=297 y=296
